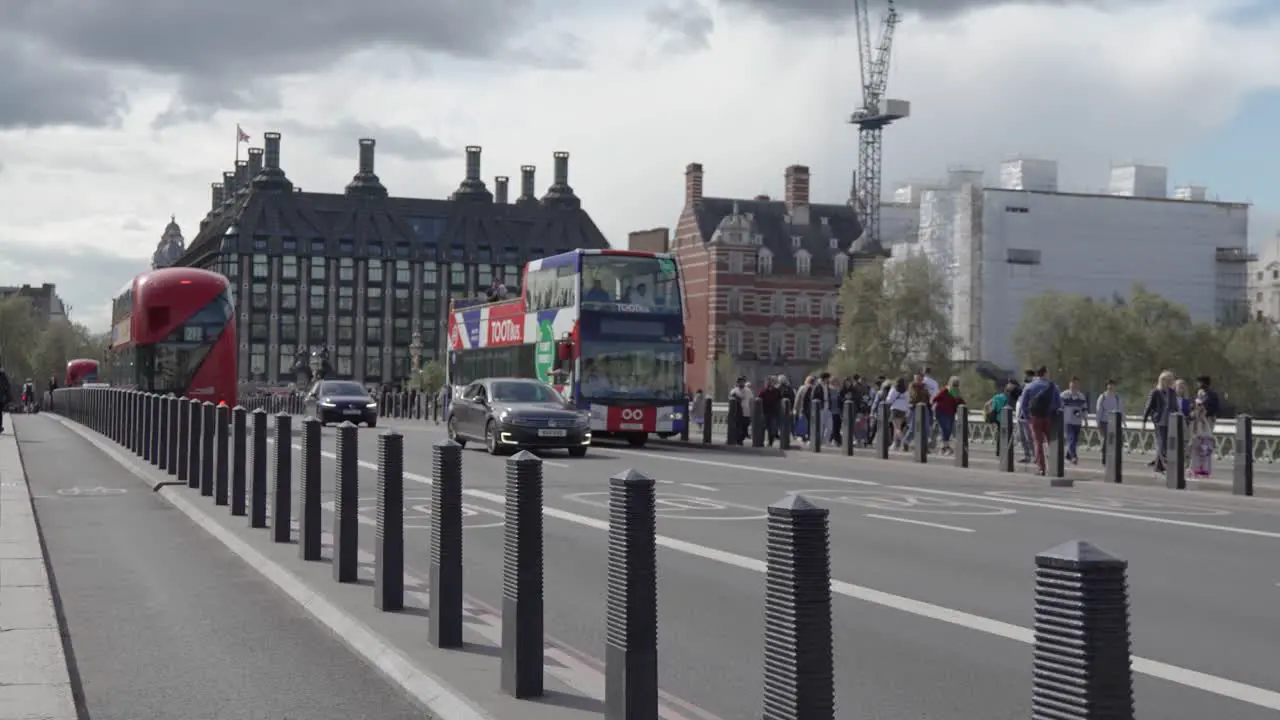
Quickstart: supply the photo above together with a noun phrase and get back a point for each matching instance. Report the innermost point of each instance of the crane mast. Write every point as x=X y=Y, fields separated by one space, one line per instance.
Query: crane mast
x=872 y=118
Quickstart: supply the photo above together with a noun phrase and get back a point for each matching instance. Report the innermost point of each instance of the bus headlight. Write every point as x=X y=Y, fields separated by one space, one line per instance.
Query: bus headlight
x=675 y=416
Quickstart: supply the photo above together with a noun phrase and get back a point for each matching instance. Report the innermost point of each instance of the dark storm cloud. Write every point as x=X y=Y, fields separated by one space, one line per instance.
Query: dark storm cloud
x=341 y=139
x=217 y=48
x=38 y=88
x=839 y=9
x=684 y=25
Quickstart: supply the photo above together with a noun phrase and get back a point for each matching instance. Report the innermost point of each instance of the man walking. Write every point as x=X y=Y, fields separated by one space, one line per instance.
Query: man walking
x=1041 y=401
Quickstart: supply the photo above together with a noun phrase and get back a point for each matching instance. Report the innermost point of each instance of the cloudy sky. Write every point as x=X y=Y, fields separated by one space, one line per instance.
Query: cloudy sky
x=116 y=113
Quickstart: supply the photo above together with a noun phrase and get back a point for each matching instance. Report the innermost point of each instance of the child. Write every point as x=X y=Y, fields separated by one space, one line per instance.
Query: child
x=1201 y=428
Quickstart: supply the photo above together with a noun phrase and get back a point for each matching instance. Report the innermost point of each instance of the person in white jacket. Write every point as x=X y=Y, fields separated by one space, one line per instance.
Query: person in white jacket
x=1108 y=402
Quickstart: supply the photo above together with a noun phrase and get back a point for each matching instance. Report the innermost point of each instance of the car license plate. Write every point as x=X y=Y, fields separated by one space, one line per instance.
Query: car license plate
x=552 y=433
x=351 y=411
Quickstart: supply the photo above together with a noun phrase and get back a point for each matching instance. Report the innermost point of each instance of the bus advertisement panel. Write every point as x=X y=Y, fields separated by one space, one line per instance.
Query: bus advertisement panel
x=605 y=327
x=81 y=371
x=173 y=331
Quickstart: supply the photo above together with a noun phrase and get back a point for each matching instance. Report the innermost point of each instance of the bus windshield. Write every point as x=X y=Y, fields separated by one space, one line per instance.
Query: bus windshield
x=171 y=364
x=646 y=283
x=614 y=370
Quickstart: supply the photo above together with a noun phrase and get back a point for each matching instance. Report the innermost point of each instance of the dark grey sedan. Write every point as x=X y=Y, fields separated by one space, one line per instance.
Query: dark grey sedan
x=333 y=401
x=508 y=414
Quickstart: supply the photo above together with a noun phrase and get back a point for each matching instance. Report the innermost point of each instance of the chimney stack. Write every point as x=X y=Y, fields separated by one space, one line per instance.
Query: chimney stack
x=693 y=184
x=500 y=189
x=242 y=175
x=228 y=186
x=366 y=155
x=215 y=195
x=561 y=168
x=255 y=162
x=272 y=151
x=797 y=187
x=472 y=188
x=560 y=194
x=527 y=183
x=473 y=162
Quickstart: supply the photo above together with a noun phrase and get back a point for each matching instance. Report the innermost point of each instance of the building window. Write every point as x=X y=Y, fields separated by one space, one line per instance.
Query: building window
x=835 y=243
x=401 y=303
x=288 y=297
x=346 y=298
x=231 y=265
x=375 y=250
x=402 y=250
x=373 y=301
x=511 y=277
x=777 y=343
x=317 y=330
x=345 y=366
x=735 y=302
x=260 y=300
x=346 y=329
x=401 y=363
x=735 y=262
x=373 y=364
x=289 y=267
x=457 y=277
x=346 y=247
x=802 y=344
x=842 y=265
x=346 y=269
x=286 y=360
x=764 y=265
x=775 y=304
x=827 y=342
x=258 y=359
x=373 y=274
x=258 y=329
x=317 y=298
x=373 y=330
x=1259 y=297
x=289 y=329
x=795 y=242
x=484 y=276
x=318 y=266
x=429 y=306
x=830 y=306
x=400 y=334
x=430 y=274
x=261 y=267
x=403 y=275
x=802 y=263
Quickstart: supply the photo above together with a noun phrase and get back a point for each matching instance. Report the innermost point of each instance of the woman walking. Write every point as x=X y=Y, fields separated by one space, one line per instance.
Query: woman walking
x=1202 y=448
x=899 y=405
x=945 y=403
x=1161 y=403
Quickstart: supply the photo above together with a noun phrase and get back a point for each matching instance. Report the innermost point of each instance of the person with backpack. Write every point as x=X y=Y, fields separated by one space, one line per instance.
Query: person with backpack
x=1041 y=401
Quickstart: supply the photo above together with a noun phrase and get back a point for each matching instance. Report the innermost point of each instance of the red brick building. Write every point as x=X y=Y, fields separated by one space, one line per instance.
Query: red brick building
x=761 y=279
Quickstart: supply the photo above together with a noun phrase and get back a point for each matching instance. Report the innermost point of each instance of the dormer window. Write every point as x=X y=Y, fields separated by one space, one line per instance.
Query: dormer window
x=842 y=264
x=795 y=242
x=802 y=263
x=764 y=263
x=835 y=243
x=735 y=262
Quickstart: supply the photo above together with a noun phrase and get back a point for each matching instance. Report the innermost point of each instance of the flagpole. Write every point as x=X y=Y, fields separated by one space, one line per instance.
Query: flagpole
x=237 y=145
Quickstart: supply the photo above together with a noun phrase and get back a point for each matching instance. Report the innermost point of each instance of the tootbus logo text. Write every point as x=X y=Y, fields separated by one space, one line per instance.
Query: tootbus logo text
x=506 y=331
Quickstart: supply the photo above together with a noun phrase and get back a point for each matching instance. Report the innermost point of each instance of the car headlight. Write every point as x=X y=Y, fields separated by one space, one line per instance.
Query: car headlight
x=327 y=403
x=504 y=416
x=372 y=405
x=583 y=421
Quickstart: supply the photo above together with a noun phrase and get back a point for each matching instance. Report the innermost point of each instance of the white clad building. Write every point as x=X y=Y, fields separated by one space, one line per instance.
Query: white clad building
x=1004 y=245
x=1264 y=283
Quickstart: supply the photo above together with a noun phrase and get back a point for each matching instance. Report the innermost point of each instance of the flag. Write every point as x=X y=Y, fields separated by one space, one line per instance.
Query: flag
x=241 y=135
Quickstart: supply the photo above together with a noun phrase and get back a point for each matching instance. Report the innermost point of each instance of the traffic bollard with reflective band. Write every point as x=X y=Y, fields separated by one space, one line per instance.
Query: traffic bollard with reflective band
x=1008 y=426
x=388 y=578
x=1242 y=470
x=1114 y=455
x=849 y=416
x=193 y=446
x=207 y=432
x=258 y=469
x=222 y=437
x=522 y=613
x=162 y=417
x=799 y=662
x=707 y=418
x=1081 y=657
x=444 y=558
x=1175 y=470
x=309 y=528
x=148 y=400
x=884 y=432
x=282 y=480
x=757 y=422
x=784 y=425
x=171 y=407
x=631 y=608
x=815 y=423
x=239 y=459
x=960 y=438
x=920 y=418
x=346 y=498
x=1056 y=462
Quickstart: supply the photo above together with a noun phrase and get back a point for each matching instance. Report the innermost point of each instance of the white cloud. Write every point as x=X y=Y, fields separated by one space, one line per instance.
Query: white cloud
x=1085 y=86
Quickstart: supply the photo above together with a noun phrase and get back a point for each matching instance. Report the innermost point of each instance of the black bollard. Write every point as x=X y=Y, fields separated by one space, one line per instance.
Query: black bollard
x=960 y=437
x=757 y=422
x=153 y=429
x=445 y=554
x=1242 y=470
x=784 y=425
x=184 y=440
x=208 y=417
x=884 y=431
x=346 y=499
x=239 y=458
x=1007 y=430
x=522 y=617
x=258 y=470
x=282 y=489
x=631 y=616
x=162 y=421
x=171 y=404
x=388 y=578
x=1081 y=662
x=707 y=417
x=1113 y=457
x=148 y=402
x=733 y=424
x=1057 y=461
x=193 y=445
x=847 y=425
x=1175 y=467
x=799 y=659
x=222 y=424
x=309 y=520
x=684 y=417
x=920 y=414
x=815 y=422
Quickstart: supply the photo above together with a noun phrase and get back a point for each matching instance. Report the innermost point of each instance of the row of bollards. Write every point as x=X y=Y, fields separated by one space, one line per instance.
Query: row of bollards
x=1081 y=596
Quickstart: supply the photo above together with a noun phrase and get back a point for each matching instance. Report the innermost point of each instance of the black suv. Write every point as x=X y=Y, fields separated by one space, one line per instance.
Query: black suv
x=333 y=401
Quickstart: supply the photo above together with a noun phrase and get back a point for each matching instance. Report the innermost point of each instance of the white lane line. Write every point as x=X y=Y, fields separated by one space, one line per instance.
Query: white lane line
x=1205 y=682
x=940 y=526
x=970 y=496
x=696 y=486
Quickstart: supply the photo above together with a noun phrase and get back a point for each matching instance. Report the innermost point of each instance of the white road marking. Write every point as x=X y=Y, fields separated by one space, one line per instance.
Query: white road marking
x=940 y=526
x=704 y=488
x=1205 y=682
x=732 y=466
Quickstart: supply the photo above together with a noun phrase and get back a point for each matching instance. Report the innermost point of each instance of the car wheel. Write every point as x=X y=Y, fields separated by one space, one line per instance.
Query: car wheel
x=452 y=430
x=491 y=439
x=580 y=451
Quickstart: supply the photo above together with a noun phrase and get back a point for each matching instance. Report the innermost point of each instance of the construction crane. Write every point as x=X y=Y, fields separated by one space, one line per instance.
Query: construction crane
x=875 y=114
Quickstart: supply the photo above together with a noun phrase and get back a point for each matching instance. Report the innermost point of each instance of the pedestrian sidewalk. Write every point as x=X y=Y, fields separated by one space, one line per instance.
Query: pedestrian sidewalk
x=35 y=681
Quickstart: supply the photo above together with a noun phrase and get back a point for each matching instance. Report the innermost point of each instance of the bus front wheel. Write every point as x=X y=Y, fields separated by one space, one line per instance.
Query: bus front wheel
x=637 y=439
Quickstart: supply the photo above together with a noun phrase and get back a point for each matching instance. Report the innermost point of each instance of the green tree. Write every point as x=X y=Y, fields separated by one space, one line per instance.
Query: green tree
x=430 y=378
x=34 y=348
x=894 y=316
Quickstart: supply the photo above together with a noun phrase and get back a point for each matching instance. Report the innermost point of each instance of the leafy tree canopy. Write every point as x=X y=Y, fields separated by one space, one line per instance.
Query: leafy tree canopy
x=31 y=347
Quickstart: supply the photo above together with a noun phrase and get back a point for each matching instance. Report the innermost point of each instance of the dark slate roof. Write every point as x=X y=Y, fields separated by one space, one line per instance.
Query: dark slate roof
x=772 y=222
x=470 y=227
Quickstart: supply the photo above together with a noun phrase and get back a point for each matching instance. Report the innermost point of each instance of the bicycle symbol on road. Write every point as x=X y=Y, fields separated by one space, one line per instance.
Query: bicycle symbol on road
x=90 y=491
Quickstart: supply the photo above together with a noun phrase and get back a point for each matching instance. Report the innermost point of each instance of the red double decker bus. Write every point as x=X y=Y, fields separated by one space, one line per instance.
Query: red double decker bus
x=81 y=371
x=173 y=331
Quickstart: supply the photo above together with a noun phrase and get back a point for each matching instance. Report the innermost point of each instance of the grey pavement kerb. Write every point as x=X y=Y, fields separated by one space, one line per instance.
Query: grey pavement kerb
x=35 y=681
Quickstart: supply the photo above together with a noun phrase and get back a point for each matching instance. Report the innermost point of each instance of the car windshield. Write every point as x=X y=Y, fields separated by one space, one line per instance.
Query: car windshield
x=517 y=391
x=342 y=388
x=614 y=370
